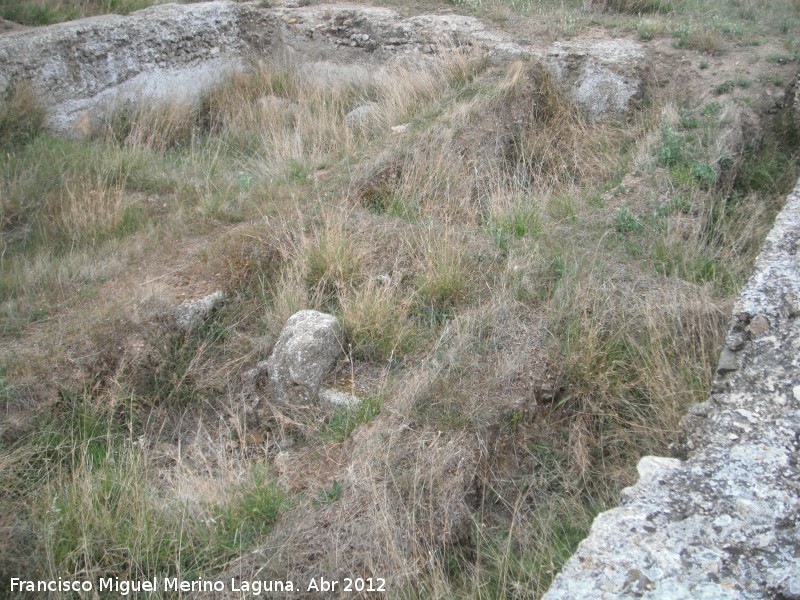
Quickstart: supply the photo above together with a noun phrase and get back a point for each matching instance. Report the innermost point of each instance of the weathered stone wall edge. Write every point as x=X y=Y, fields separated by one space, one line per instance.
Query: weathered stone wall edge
x=724 y=522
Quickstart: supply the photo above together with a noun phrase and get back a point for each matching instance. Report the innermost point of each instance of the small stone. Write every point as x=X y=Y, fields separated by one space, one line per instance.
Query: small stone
x=251 y=375
x=723 y=521
x=189 y=314
x=401 y=128
x=727 y=362
x=759 y=325
x=736 y=341
x=359 y=116
x=338 y=398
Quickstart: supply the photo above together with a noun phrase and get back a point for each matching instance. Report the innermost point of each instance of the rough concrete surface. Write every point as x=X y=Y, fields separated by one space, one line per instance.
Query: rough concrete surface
x=81 y=68
x=724 y=522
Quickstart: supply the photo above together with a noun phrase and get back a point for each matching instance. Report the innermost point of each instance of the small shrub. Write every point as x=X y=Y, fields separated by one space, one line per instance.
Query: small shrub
x=21 y=117
x=681 y=35
x=704 y=40
x=625 y=222
x=247 y=515
x=445 y=284
x=517 y=224
x=331 y=264
x=711 y=109
x=639 y=6
x=671 y=151
x=726 y=87
x=704 y=175
x=645 y=32
x=674 y=206
x=376 y=320
x=329 y=494
x=780 y=59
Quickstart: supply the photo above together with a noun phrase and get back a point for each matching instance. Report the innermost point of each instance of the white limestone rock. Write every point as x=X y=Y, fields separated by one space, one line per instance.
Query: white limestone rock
x=303 y=356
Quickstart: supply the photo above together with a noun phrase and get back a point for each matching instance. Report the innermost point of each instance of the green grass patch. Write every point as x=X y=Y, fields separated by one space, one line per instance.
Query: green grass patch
x=45 y=12
x=342 y=423
x=83 y=485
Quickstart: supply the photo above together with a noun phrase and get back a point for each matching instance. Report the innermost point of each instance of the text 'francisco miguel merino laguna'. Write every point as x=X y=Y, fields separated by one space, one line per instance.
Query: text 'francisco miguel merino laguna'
x=123 y=587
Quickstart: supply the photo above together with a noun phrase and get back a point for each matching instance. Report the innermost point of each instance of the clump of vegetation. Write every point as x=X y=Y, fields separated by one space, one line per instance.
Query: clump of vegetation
x=21 y=117
x=92 y=510
x=640 y=6
x=45 y=12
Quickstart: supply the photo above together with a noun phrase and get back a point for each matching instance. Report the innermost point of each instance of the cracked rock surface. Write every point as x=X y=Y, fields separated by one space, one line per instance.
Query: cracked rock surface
x=723 y=522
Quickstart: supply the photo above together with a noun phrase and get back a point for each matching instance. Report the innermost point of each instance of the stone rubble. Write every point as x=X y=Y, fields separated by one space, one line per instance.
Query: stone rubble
x=189 y=314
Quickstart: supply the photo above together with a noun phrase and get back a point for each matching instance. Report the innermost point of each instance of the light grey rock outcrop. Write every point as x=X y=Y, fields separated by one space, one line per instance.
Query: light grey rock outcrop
x=303 y=356
x=603 y=77
x=168 y=51
x=83 y=69
x=724 y=522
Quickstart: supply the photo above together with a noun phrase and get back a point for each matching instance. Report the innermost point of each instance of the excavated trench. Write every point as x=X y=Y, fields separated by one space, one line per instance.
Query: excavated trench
x=721 y=521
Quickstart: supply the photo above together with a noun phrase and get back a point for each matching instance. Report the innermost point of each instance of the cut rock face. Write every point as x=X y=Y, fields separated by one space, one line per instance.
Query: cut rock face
x=724 y=522
x=602 y=77
x=305 y=353
x=83 y=70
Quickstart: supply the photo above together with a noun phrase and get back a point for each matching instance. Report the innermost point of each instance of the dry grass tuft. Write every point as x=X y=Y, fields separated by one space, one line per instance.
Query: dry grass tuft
x=640 y=6
x=21 y=117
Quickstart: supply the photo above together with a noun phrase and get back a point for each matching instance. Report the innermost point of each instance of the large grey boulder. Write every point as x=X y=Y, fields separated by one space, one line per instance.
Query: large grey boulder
x=304 y=355
x=82 y=68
